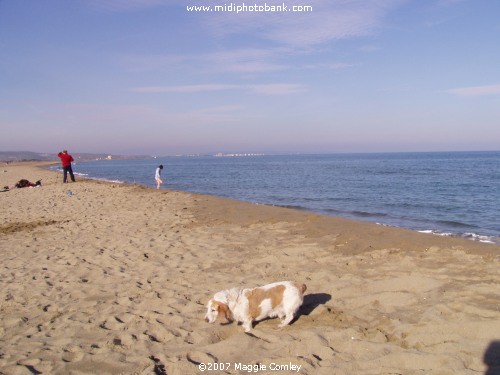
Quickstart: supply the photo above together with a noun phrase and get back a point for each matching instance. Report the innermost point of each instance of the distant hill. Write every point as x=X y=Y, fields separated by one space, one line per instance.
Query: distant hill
x=11 y=156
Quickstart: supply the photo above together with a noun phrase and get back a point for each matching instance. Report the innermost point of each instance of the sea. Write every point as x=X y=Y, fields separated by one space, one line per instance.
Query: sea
x=455 y=194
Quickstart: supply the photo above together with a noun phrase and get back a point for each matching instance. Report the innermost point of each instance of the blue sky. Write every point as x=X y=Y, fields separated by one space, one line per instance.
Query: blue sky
x=151 y=77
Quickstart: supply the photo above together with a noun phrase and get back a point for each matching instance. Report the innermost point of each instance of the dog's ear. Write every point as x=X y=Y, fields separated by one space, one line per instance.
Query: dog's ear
x=224 y=314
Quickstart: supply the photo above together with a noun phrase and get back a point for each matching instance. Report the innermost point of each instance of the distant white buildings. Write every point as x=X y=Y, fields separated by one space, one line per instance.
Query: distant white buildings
x=109 y=157
x=220 y=154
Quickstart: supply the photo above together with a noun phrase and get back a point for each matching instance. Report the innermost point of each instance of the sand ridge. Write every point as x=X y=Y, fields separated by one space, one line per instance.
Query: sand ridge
x=113 y=279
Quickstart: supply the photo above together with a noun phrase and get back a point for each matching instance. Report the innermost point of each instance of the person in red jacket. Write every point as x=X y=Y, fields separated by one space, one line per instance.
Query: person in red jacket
x=66 y=160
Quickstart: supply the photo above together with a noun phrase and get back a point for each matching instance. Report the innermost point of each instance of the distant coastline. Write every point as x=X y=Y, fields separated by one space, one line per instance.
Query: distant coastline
x=24 y=156
x=18 y=156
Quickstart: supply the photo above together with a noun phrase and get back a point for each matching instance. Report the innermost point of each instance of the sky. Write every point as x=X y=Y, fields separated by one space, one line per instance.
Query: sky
x=157 y=77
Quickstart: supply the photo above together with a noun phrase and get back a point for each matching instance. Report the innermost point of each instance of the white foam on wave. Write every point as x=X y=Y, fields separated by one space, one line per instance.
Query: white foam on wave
x=60 y=170
x=478 y=237
x=86 y=175
x=468 y=235
x=384 y=225
x=108 y=180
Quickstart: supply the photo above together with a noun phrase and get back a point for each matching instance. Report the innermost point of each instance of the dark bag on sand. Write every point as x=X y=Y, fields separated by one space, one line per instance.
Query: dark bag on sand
x=25 y=183
x=22 y=183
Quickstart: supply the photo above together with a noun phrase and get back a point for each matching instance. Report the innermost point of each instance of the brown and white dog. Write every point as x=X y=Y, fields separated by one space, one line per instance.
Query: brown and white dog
x=281 y=299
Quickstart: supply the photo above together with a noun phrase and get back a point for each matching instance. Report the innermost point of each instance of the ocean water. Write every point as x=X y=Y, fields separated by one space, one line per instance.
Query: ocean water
x=451 y=194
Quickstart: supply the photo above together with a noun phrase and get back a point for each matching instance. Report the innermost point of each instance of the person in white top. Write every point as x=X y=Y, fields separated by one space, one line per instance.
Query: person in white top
x=158 y=179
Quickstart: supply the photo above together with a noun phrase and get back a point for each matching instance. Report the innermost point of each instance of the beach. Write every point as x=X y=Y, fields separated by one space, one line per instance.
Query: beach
x=113 y=279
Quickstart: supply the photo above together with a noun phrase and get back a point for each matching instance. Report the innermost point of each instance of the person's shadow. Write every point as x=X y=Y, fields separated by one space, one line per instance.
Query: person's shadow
x=492 y=358
x=311 y=301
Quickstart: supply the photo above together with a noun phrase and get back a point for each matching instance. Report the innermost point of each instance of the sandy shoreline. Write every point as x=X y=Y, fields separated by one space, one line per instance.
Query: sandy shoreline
x=114 y=279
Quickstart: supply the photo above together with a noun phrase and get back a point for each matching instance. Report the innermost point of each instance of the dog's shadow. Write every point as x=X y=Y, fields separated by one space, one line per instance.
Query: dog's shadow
x=311 y=301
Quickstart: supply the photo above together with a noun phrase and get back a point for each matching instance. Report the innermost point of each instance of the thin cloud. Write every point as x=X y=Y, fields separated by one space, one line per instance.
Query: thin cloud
x=245 y=60
x=153 y=62
x=476 y=90
x=237 y=61
x=97 y=117
x=277 y=89
x=330 y=20
x=446 y=3
x=266 y=89
x=332 y=66
x=126 y=5
x=241 y=62
x=185 y=88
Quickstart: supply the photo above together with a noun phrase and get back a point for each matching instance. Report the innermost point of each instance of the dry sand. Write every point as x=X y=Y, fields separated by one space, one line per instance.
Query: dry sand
x=114 y=279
